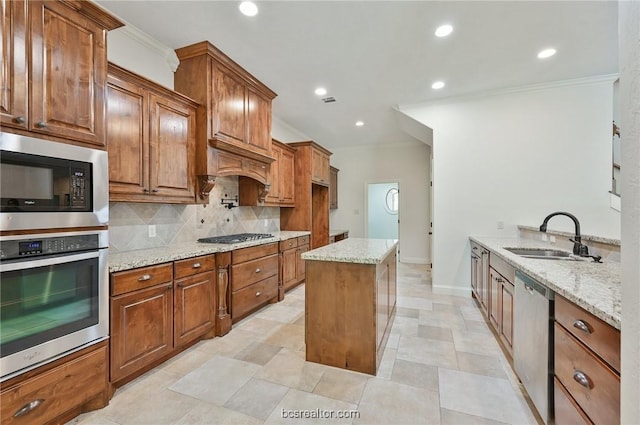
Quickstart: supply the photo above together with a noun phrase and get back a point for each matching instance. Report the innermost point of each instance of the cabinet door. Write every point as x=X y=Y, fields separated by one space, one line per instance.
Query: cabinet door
x=194 y=307
x=127 y=133
x=274 y=177
x=259 y=121
x=506 y=315
x=300 y=267
x=172 y=148
x=393 y=283
x=289 y=262
x=228 y=118
x=474 y=275
x=287 y=178
x=68 y=73
x=13 y=68
x=333 y=188
x=495 y=299
x=319 y=167
x=382 y=301
x=141 y=329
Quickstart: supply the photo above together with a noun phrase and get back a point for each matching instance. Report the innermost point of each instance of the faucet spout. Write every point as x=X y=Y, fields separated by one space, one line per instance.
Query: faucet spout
x=578 y=247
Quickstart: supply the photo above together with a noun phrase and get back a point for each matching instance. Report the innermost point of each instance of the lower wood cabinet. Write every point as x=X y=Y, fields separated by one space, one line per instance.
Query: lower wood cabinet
x=500 y=291
x=292 y=267
x=303 y=246
x=157 y=310
x=59 y=391
x=586 y=366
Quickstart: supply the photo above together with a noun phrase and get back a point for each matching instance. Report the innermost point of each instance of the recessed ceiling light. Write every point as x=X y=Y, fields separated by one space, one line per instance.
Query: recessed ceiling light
x=444 y=30
x=248 y=8
x=437 y=85
x=321 y=91
x=359 y=123
x=546 y=53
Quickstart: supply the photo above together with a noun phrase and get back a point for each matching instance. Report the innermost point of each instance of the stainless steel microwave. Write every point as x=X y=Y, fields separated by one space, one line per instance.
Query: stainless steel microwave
x=46 y=184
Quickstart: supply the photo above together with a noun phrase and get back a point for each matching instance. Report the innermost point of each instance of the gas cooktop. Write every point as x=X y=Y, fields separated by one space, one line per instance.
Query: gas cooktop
x=240 y=237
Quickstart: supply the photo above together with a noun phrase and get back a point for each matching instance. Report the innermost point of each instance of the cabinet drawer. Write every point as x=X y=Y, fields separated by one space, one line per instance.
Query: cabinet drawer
x=602 y=338
x=252 y=296
x=599 y=393
x=498 y=264
x=567 y=412
x=191 y=266
x=144 y=277
x=288 y=244
x=253 y=271
x=303 y=240
x=61 y=389
x=253 y=252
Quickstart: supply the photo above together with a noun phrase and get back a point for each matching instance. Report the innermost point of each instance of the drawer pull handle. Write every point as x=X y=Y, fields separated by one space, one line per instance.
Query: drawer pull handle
x=28 y=407
x=258 y=293
x=41 y=124
x=258 y=270
x=20 y=120
x=196 y=265
x=582 y=379
x=144 y=277
x=582 y=326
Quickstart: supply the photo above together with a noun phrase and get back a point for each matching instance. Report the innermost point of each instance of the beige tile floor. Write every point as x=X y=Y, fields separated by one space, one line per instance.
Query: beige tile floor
x=441 y=365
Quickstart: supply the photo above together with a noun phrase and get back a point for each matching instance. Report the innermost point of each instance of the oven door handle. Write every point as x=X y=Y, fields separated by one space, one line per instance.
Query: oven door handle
x=43 y=262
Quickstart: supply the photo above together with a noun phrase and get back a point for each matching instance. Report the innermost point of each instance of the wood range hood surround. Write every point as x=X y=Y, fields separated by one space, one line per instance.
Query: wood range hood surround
x=234 y=118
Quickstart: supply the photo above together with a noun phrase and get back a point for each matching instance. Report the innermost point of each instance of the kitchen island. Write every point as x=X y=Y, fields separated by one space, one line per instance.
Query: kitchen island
x=350 y=302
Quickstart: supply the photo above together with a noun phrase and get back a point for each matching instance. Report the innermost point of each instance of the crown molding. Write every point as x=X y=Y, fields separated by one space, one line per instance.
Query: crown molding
x=146 y=40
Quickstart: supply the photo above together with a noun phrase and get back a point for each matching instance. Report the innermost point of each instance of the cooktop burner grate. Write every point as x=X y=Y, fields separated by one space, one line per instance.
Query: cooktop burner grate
x=240 y=237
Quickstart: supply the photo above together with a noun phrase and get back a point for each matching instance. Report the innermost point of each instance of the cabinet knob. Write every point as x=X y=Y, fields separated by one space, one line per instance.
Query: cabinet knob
x=144 y=277
x=582 y=379
x=258 y=270
x=28 y=407
x=19 y=120
x=41 y=124
x=196 y=265
x=258 y=293
x=155 y=191
x=579 y=324
x=145 y=190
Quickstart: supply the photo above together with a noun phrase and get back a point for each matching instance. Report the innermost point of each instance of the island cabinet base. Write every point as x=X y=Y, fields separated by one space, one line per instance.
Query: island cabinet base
x=349 y=310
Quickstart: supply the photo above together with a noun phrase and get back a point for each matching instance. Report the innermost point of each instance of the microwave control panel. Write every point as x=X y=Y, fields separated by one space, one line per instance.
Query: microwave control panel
x=22 y=248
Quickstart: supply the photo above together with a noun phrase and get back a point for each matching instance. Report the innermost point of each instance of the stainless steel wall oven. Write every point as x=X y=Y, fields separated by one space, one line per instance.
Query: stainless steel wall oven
x=45 y=185
x=53 y=297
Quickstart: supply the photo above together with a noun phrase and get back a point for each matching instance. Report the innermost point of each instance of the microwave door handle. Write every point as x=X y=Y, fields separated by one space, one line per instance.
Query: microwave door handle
x=43 y=262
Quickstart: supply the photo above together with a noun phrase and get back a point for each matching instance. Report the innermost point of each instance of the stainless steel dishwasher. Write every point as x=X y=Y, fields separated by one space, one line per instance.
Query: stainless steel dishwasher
x=532 y=341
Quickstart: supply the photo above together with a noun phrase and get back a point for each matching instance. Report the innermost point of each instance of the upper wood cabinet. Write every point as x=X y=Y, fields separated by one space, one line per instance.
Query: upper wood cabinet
x=320 y=168
x=151 y=133
x=333 y=188
x=55 y=69
x=236 y=111
x=281 y=179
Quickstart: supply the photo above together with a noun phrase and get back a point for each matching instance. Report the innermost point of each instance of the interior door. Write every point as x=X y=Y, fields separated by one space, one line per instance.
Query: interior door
x=383 y=210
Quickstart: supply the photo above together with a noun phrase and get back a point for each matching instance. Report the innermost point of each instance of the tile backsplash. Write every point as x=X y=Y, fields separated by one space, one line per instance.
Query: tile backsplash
x=175 y=223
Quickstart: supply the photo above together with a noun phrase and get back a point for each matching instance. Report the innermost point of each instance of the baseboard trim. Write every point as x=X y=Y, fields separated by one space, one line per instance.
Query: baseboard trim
x=414 y=260
x=452 y=290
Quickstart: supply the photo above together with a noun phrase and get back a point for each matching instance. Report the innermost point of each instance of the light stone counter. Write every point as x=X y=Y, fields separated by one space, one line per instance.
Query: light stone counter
x=353 y=250
x=596 y=287
x=146 y=257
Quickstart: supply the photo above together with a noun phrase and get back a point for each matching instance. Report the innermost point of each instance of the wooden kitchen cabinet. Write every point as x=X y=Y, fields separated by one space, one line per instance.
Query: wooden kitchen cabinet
x=141 y=319
x=303 y=246
x=480 y=278
x=292 y=266
x=333 y=188
x=586 y=366
x=500 y=300
x=55 y=75
x=194 y=312
x=281 y=178
x=311 y=211
x=320 y=168
x=151 y=133
x=65 y=388
x=236 y=114
x=254 y=278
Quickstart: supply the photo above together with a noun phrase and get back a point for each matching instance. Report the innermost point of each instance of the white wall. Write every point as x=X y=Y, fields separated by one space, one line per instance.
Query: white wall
x=629 y=25
x=516 y=157
x=284 y=133
x=406 y=164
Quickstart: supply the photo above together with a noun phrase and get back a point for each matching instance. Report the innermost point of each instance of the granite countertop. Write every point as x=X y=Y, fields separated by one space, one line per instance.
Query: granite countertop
x=334 y=232
x=353 y=250
x=127 y=260
x=596 y=287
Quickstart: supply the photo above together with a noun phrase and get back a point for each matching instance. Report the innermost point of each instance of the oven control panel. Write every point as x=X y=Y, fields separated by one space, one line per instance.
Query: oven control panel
x=21 y=248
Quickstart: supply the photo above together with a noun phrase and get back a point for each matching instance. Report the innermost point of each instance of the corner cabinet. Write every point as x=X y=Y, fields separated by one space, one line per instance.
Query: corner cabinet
x=52 y=88
x=151 y=133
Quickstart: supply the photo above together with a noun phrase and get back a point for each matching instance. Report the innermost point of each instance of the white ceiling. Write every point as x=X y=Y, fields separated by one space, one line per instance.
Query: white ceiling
x=372 y=55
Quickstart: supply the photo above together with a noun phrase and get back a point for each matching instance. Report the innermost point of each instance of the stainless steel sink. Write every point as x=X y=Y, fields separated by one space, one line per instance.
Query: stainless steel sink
x=542 y=253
